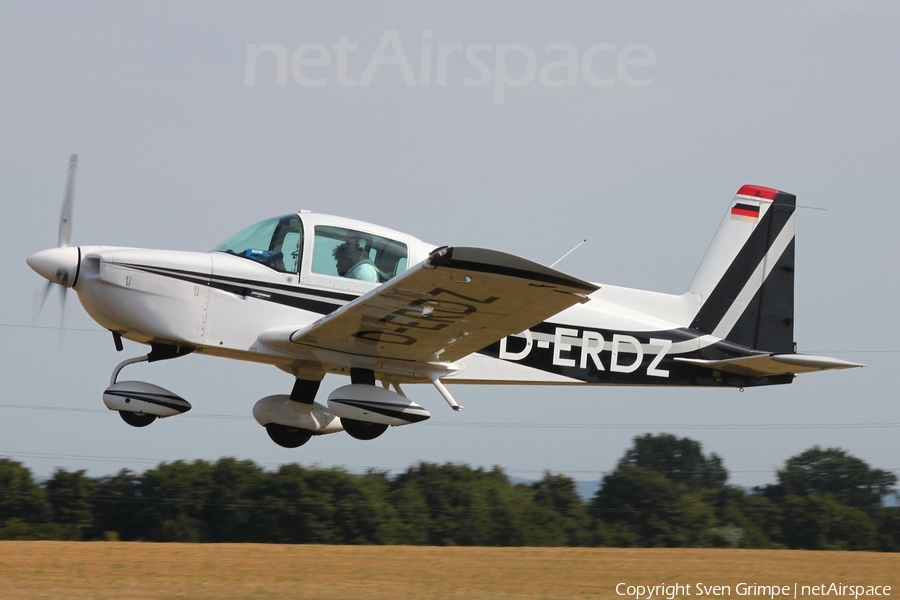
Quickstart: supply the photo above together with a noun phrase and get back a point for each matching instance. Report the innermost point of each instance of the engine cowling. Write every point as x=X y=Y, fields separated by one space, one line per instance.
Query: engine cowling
x=281 y=410
x=145 y=398
x=373 y=404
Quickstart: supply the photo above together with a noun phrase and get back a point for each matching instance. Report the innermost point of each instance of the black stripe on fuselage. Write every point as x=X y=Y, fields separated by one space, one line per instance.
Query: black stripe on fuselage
x=269 y=292
x=745 y=263
x=237 y=280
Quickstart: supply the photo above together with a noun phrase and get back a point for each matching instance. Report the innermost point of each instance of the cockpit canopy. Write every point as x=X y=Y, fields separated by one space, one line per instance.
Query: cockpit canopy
x=336 y=251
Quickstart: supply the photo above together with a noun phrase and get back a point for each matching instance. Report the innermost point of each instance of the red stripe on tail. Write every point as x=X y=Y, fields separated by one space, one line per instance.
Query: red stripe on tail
x=758 y=191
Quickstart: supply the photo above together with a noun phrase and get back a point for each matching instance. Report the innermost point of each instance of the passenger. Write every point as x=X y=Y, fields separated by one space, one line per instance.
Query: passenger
x=352 y=258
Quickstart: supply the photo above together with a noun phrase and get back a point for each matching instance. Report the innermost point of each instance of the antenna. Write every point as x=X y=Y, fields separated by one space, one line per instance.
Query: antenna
x=578 y=245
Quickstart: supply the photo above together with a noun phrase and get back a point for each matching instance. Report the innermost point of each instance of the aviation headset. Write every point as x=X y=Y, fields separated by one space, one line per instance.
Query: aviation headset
x=363 y=242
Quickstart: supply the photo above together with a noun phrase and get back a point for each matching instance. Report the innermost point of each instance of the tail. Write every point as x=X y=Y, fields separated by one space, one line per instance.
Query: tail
x=746 y=279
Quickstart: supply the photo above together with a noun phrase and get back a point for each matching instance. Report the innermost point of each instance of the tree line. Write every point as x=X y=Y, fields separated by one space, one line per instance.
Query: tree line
x=664 y=492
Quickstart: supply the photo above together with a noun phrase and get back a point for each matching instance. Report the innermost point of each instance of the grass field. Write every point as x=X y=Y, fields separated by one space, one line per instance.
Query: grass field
x=145 y=570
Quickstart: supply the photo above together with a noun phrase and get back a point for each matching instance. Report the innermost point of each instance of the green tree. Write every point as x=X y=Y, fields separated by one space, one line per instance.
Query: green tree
x=819 y=522
x=829 y=499
x=559 y=514
x=359 y=505
x=832 y=471
x=324 y=506
x=744 y=520
x=644 y=508
x=70 y=494
x=679 y=459
x=236 y=487
x=175 y=498
x=888 y=525
x=118 y=506
x=411 y=523
x=23 y=502
x=466 y=506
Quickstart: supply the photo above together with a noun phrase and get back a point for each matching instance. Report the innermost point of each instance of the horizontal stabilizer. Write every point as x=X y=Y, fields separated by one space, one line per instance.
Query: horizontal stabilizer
x=764 y=365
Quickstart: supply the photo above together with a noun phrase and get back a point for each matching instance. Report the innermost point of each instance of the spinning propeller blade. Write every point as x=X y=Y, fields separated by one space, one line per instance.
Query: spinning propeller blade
x=65 y=215
x=40 y=298
x=63 y=239
x=62 y=311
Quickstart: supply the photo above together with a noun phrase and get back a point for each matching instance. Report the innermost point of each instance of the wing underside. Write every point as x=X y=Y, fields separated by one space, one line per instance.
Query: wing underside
x=456 y=302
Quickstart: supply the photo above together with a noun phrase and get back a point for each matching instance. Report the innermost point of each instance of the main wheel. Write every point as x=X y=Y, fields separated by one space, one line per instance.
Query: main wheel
x=288 y=437
x=136 y=419
x=363 y=430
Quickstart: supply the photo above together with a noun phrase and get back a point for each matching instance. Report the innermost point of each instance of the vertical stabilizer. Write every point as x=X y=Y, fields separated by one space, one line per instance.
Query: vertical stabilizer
x=746 y=279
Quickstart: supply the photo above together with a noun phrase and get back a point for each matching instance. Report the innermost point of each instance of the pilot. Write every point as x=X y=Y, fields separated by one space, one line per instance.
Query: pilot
x=352 y=258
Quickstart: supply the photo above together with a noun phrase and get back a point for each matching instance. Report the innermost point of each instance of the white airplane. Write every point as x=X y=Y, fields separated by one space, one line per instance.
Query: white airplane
x=314 y=294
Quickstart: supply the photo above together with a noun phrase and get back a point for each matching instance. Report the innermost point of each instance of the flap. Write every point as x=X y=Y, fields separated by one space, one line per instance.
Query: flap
x=456 y=302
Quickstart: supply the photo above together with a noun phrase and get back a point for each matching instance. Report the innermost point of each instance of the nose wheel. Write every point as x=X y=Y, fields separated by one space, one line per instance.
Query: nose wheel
x=137 y=419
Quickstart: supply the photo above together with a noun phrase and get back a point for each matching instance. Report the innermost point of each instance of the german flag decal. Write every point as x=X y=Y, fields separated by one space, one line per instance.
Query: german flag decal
x=745 y=210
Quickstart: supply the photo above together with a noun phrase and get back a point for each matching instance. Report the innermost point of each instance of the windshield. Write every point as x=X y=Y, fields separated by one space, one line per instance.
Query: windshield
x=276 y=243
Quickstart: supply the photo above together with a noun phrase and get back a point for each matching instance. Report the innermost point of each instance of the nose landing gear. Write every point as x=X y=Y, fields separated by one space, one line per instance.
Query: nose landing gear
x=140 y=403
x=136 y=419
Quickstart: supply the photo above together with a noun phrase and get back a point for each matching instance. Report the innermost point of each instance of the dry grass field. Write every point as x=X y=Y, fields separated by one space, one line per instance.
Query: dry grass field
x=143 y=570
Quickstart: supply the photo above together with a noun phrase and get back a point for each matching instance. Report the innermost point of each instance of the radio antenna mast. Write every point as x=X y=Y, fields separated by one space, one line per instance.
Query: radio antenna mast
x=578 y=245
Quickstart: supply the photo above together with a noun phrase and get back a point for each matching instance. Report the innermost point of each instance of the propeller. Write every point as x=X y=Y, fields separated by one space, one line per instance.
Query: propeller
x=48 y=263
x=65 y=214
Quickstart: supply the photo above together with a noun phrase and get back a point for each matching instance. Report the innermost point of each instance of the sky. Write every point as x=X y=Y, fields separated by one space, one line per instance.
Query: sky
x=188 y=129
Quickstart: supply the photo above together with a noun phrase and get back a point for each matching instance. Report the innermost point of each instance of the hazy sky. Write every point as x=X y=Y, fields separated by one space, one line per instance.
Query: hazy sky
x=639 y=152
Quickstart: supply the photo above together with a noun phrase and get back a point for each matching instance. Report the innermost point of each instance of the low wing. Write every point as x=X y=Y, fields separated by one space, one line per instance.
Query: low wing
x=456 y=302
x=765 y=365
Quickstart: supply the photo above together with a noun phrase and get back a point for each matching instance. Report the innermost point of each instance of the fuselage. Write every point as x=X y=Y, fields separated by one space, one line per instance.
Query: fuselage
x=219 y=302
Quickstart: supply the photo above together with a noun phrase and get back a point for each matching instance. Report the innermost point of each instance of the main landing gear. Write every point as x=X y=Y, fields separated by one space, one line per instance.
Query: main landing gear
x=304 y=393
x=362 y=409
x=288 y=437
x=363 y=430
